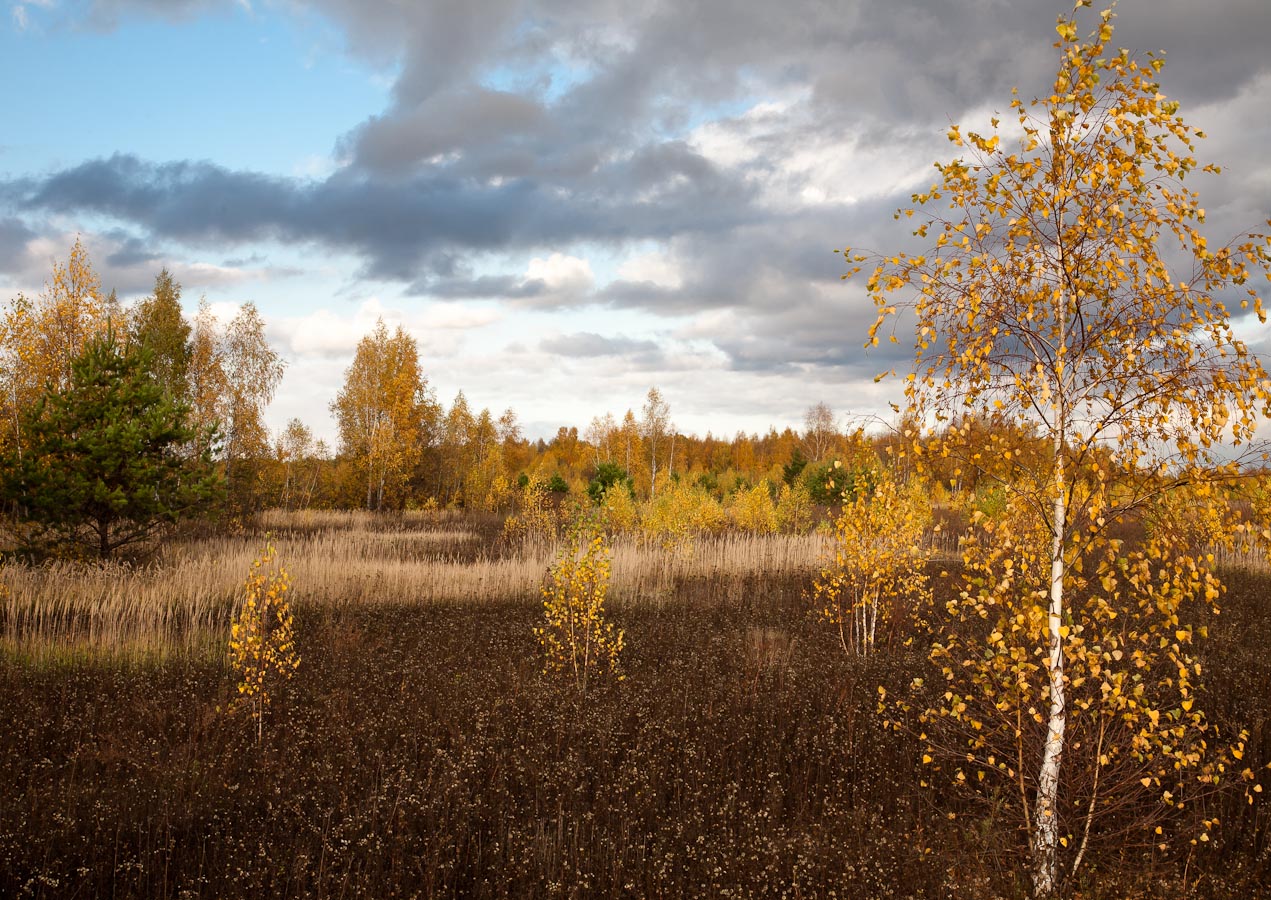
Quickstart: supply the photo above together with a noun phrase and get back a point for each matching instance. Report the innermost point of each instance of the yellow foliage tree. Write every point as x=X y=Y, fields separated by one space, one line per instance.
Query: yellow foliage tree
x=208 y=381
x=1139 y=746
x=262 y=647
x=679 y=514
x=40 y=338
x=620 y=510
x=575 y=637
x=385 y=412
x=536 y=519
x=873 y=576
x=753 y=511
x=1048 y=298
x=794 y=508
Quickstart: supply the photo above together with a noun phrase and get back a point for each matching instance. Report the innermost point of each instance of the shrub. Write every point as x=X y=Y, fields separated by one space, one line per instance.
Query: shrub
x=794 y=509
x=620 y=510
x=680 y=514
x=753 y=510
x=875 y=571
x=536 y=517
x=262 y=645
x=575 y=638
x=609 y=474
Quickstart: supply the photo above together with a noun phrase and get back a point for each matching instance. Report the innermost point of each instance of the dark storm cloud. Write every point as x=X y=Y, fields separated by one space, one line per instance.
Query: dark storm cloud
x=520 y=126
x=819 y=334
x=397 y=226
x=444 y=123
x=129 y=250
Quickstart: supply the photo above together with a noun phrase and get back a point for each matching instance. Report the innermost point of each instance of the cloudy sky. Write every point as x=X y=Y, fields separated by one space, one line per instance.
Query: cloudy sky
x=565 y=201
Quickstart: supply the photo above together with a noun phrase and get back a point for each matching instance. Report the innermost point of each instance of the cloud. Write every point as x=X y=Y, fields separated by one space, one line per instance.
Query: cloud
x=334 y=335
x=402 y=229
x=585 y=344
x=717 y=152
x=655 y=268
x=15 y=237
x=21 y=18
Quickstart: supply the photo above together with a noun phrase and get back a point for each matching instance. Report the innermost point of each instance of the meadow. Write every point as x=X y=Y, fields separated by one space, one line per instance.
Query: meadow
x=420 y=749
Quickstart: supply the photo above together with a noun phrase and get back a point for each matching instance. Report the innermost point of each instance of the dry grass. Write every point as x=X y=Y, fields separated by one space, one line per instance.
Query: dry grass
x=182 y=600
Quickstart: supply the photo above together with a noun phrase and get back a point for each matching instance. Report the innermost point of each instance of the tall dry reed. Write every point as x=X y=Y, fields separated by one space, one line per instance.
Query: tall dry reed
x=182 y=600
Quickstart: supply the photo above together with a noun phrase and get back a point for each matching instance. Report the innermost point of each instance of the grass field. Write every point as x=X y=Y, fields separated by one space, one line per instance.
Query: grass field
x=420 y=751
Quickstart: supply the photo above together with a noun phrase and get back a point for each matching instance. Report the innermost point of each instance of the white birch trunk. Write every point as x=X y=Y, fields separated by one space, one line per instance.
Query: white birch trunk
x=1045 y=837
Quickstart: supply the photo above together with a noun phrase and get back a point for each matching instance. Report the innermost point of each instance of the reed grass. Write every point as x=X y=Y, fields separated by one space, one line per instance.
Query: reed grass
x=182 y=600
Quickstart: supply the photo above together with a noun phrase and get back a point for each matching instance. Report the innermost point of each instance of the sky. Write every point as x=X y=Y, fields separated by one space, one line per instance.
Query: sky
x=566 y=202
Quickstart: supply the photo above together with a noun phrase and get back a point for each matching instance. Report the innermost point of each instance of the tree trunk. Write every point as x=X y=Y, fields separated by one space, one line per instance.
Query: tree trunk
x=1045 y=838
x=103 y=539
x=653 y=469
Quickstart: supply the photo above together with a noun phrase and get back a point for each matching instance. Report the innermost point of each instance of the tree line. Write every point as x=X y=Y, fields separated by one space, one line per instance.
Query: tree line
x=116 y=421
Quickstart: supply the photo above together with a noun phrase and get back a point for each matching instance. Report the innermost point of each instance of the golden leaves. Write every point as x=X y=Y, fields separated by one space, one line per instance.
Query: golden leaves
x=40 y=338
x=873 y=573
x=262 y=646
x=382 y=411
x=575 y=638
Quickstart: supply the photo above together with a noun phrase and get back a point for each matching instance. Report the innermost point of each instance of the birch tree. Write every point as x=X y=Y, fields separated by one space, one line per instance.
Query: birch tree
x=253 y=370
x=819 y=429
x=207 y=381
x=41 y=337
x=653 y=428
x=1070 y=289
x=383 y=411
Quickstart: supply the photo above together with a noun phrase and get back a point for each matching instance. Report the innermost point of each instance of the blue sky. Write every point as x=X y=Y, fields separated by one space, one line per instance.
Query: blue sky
x=253 y=91
x=565 y=201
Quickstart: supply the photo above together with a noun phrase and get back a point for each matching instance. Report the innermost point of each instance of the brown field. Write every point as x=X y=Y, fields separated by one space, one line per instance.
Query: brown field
x=420 y=750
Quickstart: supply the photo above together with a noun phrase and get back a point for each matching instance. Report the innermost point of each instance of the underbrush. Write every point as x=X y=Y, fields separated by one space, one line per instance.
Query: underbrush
x=420 y=751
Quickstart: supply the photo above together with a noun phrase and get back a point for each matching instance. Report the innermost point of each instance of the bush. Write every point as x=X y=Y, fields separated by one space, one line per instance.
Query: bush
x=575 y=637
x=681 y=513
x=754 y=511
x=609 y=474
x=831 y=483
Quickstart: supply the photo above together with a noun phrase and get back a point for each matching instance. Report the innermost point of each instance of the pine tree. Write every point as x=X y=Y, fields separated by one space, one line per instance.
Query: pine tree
x=107 y=468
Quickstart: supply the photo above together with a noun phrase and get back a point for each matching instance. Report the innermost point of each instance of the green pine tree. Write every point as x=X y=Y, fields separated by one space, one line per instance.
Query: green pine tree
x=109 y=467
x=158 y=323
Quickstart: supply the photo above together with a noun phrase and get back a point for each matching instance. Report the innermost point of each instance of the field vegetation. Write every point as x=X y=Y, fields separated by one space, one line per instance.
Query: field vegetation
x=422 y=748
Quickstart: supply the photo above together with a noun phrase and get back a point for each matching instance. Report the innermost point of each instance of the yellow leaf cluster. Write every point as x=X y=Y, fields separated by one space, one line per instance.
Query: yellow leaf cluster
x=262 y=649
x=872 y=578
x=575 y=637
x=679 y=514
x=753 y=510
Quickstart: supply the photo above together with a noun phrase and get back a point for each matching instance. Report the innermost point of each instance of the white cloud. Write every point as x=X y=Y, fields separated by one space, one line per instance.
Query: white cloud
x=20 y=17
x=205 y=274
x=798 y=162
x=331 y=335
x=567 y=280
x=654 y=268
x=561 y=272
